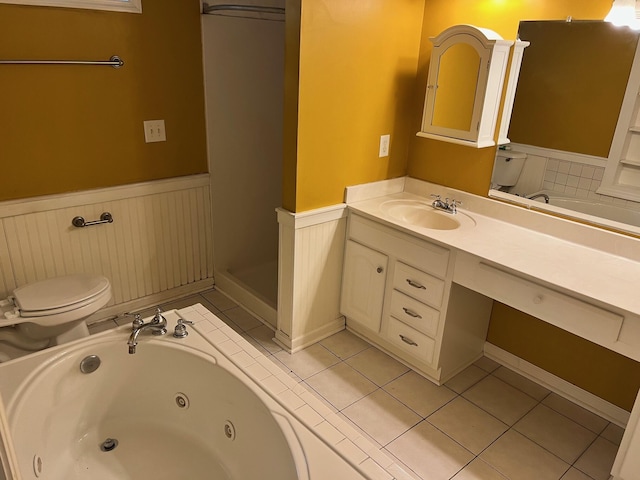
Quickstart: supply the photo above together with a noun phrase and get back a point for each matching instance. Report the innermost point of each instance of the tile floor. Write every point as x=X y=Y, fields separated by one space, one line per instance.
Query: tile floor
x=487 y=423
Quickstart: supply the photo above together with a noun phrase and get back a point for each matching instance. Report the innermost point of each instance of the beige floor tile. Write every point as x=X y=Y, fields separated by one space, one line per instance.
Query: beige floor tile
x=466 y=379
x=419 y=394
x=521 y=383
x=598 y=459
x=429 y=452
x=341 y=385
x=470 y=426
x=555 y=432
x=309 y=361
x=344 y=344
x=255 y=343
x=321 y=398
x=242 y=318
x=613 y=433
x=381 y=416
x=479 y=470
x=576 y=413
x=517 y=457
x=575 y=474
x=486 y=364
x=281 y=365
x=264 y=336
x=180 y=303
x=377 y=366
x=228 y=321
x=219 y=300
x=500 y=399
x=357 y=428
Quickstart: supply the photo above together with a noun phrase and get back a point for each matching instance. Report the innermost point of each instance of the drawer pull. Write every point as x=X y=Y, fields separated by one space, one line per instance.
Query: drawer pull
x=379 y=269
x=415 y=284
x=407 y=340
x=411 y=313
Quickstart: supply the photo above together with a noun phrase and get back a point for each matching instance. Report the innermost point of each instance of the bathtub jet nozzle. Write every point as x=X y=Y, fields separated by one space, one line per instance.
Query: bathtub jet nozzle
x=109 y=444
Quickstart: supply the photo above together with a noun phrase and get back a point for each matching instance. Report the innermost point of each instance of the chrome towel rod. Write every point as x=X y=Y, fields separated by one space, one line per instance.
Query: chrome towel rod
x=242 y=8
x=115 y=62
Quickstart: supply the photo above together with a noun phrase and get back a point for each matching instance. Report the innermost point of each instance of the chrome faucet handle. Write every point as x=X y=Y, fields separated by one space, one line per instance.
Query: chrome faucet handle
x=159 y=323
x=158 y=317
x=453 y=205
x=181 y=328
x=137 y=318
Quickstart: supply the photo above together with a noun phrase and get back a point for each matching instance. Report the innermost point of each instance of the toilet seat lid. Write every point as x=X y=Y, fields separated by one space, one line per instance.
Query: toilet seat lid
x=59 y=292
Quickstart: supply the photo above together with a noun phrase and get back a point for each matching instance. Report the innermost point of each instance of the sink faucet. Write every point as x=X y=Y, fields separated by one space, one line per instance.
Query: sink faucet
x=157 y=325
x=446 y=205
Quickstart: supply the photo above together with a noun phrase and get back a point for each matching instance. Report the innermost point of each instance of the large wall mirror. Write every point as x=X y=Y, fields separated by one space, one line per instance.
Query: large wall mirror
x=571 y=114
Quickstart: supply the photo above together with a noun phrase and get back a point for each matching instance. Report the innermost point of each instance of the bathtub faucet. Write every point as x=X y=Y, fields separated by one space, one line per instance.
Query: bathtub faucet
x=157 y=325
x=543 y=195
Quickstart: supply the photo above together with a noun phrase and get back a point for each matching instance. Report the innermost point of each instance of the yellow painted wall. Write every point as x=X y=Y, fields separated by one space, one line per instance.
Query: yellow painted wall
x=357 y=68
x=66 y=128
x=587 y=365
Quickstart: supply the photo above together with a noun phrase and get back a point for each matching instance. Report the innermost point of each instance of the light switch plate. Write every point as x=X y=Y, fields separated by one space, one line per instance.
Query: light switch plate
x=384 y=145
x=154 y=131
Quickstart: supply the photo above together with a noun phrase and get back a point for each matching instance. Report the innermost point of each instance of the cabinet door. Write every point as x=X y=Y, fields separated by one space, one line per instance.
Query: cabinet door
x=363 y=283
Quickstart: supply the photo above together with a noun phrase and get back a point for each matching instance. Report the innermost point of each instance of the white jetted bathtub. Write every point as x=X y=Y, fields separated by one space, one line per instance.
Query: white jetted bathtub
x=593 y=208
x=209 y=406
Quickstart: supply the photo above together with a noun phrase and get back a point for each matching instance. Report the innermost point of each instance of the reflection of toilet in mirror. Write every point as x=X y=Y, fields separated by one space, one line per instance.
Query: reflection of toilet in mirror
x=507 y=168
x=49 y=312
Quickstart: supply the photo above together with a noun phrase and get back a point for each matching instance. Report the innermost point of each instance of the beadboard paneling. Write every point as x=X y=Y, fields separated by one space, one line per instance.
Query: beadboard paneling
x=311 y=256
x=160 y=238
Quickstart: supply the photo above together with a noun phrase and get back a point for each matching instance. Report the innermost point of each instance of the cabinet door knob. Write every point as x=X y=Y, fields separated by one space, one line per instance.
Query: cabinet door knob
x=379 y=269
x=415 y=284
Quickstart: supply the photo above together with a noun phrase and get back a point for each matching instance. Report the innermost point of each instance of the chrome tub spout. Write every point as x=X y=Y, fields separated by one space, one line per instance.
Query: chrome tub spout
x=540 y=195
x=157 y=326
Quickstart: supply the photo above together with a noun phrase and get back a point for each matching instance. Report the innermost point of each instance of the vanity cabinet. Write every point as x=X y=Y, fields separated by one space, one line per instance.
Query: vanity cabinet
x=397 y=293
x=364 y=280
x=464 y=89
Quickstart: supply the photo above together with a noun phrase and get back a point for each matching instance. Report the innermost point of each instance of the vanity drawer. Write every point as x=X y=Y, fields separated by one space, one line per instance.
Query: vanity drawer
x=418 y=284
x=414 y=313
x=564 y=311
x=410 y=340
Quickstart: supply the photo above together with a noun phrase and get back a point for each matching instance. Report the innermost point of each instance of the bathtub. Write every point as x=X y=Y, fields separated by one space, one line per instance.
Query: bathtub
x=593 y=209
x=209 y=406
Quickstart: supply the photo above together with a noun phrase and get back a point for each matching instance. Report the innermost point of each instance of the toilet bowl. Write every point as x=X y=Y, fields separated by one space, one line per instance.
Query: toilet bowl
x=52 y=311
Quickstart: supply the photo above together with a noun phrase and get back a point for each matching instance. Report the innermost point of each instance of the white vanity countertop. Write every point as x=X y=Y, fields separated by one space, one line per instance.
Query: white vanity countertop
x=571 y=265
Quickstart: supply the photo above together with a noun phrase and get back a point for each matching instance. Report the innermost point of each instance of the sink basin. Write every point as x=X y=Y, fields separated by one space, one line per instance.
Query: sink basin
x=421 y=214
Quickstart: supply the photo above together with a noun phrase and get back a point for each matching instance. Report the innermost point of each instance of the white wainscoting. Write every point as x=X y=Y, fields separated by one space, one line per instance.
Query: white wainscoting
x=159 y=245
x=309 y=275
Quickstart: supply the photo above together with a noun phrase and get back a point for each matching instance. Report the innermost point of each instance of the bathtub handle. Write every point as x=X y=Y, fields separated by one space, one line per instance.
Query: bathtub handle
x=181 y=328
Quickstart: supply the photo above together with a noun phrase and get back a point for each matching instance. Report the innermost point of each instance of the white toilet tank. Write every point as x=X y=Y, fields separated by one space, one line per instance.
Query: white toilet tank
x=507 y=168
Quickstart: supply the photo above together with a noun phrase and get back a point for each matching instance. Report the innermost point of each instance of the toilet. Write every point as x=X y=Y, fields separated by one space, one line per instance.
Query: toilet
x=507 y=167
x=53 y=311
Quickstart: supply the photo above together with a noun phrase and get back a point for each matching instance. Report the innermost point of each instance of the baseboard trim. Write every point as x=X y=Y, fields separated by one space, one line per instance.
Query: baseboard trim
x=581 y=397
x=243 y=295
x=140 y=303
x=309 y=338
